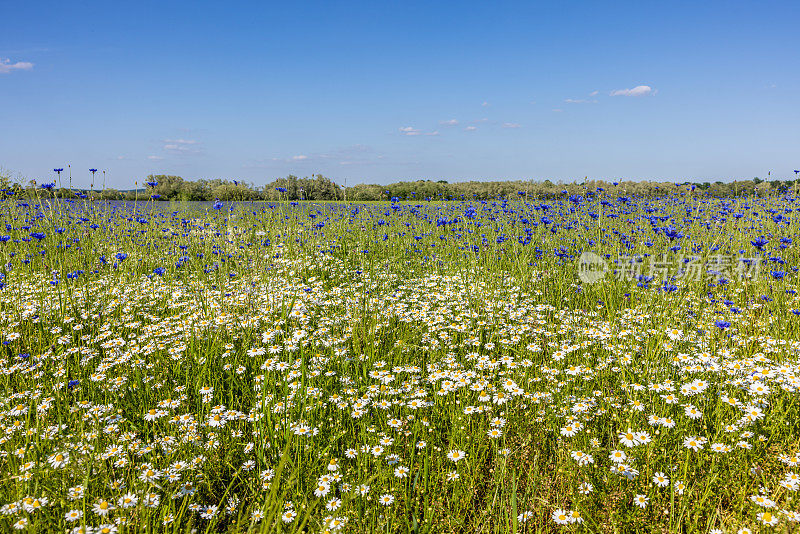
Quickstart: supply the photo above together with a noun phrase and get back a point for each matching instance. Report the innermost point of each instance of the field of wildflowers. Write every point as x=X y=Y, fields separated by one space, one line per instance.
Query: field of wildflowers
x=401 y=367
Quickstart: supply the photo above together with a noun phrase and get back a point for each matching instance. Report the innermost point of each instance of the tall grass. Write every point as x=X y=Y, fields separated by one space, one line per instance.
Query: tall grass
x=399 y=367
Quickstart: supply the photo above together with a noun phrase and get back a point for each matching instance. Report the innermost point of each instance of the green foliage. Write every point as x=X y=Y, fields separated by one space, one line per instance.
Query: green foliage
x=318 y=188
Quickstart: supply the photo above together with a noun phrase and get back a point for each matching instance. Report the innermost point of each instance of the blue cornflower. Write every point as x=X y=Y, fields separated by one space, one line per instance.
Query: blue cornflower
x=672 y=233
x=217 y=205
x=760 y=242
x=722 y=325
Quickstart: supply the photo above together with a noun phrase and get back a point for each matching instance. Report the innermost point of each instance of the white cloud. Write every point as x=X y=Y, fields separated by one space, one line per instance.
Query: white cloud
x=511 y=125
x=470 y=128
x=353 y=155
x=6 y=66
x=182 y=141
x=181 y=146
x=155 y=158
x=593 y=93
x=410 y=130
x=639 y=90
x=579 y=101
x=451 y=122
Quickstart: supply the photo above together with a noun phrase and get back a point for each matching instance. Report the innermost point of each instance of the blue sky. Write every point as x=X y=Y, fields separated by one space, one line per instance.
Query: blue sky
x=377 y=92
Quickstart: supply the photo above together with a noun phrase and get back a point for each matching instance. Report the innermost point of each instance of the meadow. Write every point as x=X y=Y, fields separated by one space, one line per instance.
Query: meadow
x=401 y=366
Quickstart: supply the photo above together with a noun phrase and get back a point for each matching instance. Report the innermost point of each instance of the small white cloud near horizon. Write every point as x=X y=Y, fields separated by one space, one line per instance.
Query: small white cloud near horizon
x=639 y=90
x=6 y=66
x=593 y=93
x=352 y=155
x=182 y=146
x=410 y=130
x=182 y=141
x=155 y=158
x=579 y=101
x=470 y=128
x=451 y=122
x=511 y=125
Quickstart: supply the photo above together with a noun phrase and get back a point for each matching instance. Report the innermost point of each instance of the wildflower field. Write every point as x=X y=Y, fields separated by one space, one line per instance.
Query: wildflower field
x=401 y=366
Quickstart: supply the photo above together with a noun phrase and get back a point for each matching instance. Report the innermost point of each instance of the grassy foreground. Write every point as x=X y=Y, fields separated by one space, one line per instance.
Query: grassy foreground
x=405 y=367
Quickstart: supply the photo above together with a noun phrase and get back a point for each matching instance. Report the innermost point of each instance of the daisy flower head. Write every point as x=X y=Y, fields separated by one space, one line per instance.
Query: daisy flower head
x=322 y=490
x=58 y=460
x=73 y=515
x=617 y=456
x=494 y=433
x=628 y=438
x=693 y=443
x=102 y=507
x=288 y=516
x=456 y=455
x=660 y=480
x=760 y=500
x=575 y=516
x=561 y=517
x=768 y=518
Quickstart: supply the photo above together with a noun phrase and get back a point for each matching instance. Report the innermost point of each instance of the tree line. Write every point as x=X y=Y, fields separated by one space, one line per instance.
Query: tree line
x=319 y=188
